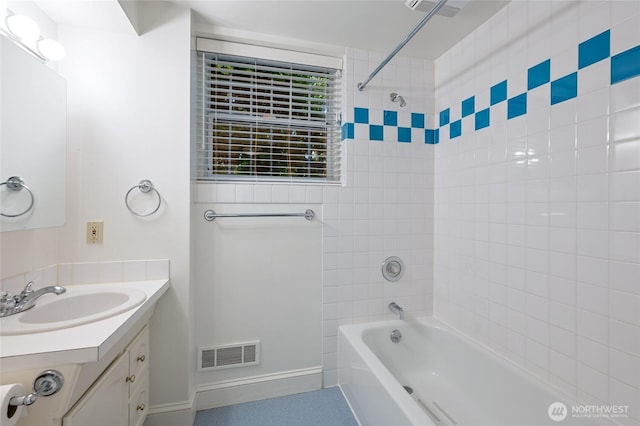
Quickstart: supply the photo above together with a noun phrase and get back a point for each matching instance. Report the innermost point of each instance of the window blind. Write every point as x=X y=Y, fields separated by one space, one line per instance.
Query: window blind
x=267 y=120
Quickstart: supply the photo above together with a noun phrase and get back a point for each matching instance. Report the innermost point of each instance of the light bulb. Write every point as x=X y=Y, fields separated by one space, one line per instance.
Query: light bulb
x=23 y=27
x=51 y=49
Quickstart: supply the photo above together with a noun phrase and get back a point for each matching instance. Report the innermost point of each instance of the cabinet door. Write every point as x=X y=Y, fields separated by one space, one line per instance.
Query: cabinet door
x=106 y=402
x=139 y=401
x=139 y=353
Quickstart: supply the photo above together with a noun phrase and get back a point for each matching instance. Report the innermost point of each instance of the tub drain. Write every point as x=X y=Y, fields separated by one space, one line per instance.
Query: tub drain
x=409 y=389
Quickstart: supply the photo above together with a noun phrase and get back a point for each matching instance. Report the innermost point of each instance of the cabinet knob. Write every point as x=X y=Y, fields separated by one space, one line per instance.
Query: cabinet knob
x=131 y=378
x=141 y=358
x=140 y=407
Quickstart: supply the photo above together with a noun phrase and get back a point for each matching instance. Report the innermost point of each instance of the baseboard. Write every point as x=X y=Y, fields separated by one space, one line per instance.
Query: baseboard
x=182 y=414
x=254 y=388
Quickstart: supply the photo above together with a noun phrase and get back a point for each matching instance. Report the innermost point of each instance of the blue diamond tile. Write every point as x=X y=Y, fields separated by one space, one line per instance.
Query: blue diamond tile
x=594 y=50
x=468 y=106
x=455 y=129
x=625 y=65
x=347 y=131
x=432 y=136
x=444 y=117
x=376 y=133
x=404 y=134
x=482 y=119
x=517 y=106
x=499 y=92
x=390 y=118
x=539 y=74
x=417 y=120
x=564 y=88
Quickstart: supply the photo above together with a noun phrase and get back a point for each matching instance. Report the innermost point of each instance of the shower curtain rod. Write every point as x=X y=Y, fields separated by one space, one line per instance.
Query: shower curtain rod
x=406 y=40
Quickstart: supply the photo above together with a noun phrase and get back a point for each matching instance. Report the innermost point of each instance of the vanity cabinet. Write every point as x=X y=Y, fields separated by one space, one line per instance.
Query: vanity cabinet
x=120 y=396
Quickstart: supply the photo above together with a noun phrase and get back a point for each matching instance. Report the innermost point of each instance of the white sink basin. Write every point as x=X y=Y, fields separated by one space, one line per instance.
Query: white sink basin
x=75 y=307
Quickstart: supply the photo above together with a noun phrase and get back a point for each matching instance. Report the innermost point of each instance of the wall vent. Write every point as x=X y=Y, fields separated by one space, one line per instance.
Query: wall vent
x=227 y=356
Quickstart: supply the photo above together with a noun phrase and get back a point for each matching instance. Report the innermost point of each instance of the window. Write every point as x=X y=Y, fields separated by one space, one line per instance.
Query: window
x=267 y=120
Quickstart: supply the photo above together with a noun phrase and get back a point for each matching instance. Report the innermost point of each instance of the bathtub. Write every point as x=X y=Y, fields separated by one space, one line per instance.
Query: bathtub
x=435 y=376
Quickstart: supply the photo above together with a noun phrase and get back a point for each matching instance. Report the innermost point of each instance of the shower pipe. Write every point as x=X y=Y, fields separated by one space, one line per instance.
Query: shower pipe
x=406 y=40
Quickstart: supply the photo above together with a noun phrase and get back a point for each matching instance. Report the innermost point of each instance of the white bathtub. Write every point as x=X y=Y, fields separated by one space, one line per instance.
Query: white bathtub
x=454 y=380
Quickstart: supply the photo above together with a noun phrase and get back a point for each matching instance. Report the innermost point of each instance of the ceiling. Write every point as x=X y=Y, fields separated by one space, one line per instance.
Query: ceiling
x=317 y=25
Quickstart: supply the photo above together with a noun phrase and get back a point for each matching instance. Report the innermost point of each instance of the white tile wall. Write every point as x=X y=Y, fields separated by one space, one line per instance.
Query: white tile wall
x=566 y=212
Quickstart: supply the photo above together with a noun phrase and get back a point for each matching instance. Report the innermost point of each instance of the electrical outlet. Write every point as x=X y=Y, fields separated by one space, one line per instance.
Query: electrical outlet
x=94 y=232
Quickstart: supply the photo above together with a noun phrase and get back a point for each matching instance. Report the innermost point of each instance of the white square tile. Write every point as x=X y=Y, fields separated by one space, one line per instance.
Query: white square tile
x=624 y=246
x=134 y=270
x=593 y=270
x=625 y=367
x=625 y=216
x=593 y=326
x=593 y=354
x=563 y=316
x=623 y=276
x=593 y=187
x=593 y=132
x=110 y=272
x=562 y=341
x=244 y=193
x=593 y=298
x=625 y=337
x=593 y=243
x=625 y=156
x=85 y=273
x=562 y=290
x=623 y=394
x=625 y=94
x=592 y=160
x=624 y=307
x=625 y=125
x=225 y=192
x=157 y=269
x=593 y=215
x=624 y=186
x=593 y=382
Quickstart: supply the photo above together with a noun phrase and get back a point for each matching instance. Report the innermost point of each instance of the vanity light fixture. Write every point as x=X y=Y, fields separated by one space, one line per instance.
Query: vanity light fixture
x=25 y=32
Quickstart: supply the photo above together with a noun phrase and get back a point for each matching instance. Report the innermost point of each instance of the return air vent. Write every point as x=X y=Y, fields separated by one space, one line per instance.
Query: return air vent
x=227 y=356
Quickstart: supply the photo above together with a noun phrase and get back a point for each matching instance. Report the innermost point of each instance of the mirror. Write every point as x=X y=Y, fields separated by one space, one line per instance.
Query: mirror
x=33 y=139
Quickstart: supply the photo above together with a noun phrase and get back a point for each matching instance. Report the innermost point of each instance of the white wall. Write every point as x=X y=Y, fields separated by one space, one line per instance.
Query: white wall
x=383 y=208
x=129 y=119
x=537 y=238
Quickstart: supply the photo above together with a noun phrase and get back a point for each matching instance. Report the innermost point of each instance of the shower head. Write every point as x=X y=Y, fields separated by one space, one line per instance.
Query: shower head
x=397 y=98
x=449 y=10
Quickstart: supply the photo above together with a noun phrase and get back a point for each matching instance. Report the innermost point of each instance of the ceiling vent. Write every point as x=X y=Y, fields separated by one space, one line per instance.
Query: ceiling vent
x=449 y=10
x=227 y=356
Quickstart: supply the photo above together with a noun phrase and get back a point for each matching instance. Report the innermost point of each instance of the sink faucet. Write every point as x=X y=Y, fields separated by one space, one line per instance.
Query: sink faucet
x=396 y=309
x=10 y=304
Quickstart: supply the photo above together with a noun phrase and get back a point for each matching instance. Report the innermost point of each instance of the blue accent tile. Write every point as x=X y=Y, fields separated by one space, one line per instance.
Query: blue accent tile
x=482 y=119
x=499 y=92
x=347 y=131
x=444 y=117
x=390 y=118
x=417 y=120
x=376 y=133
x=468 y=106
x=625 y=65
x=564 y=88
x=595 y=49
x=404 y=134
x=539 y=74
x=361 y=115
x=455 y=129
x=432 y=136
x=517 y=106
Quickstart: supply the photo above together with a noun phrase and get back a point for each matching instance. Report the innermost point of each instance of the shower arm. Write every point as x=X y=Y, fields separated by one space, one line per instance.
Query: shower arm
x=406 y=40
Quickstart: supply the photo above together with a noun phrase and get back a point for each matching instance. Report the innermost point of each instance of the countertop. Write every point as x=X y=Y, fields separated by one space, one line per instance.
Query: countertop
x=83 y=343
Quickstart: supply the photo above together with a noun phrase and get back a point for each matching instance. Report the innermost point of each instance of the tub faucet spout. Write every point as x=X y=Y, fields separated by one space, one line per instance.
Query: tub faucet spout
x=396 y=309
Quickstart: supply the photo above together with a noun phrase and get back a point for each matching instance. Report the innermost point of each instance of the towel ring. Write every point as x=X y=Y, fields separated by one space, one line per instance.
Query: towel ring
x=15 y=183
x=145 y=186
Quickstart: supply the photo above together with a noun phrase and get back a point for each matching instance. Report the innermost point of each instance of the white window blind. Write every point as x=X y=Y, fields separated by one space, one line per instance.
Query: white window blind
x=263 y=120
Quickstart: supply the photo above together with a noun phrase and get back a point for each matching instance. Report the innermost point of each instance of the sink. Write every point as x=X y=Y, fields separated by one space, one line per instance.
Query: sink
x=79 y=305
